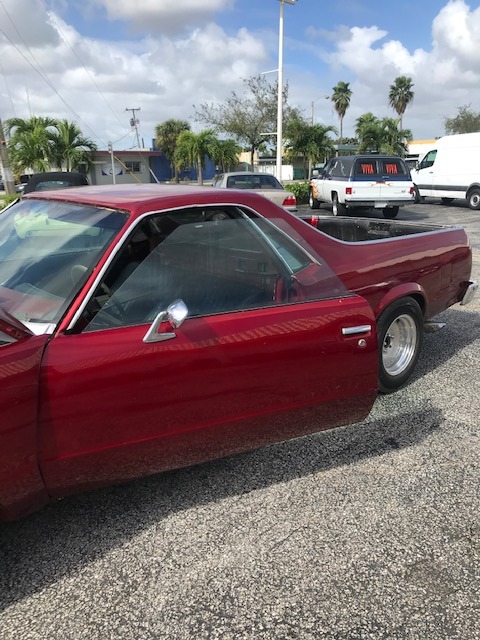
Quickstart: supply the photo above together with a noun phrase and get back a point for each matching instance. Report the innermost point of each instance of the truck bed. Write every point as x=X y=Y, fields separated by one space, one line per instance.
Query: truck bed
x=366 y=229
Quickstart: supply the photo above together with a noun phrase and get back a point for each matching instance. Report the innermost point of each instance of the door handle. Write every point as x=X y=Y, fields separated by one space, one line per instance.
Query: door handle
x=353 y=331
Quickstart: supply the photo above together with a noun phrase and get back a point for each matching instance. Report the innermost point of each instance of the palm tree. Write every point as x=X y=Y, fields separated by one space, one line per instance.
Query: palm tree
x=225 y=154
x=364 y=122
x=382 y=136
x=166 y=136
x=70 y=148
x=192 y=150
x=341 y=101
x=309 y=141
x=401 y=95
x=30 y=145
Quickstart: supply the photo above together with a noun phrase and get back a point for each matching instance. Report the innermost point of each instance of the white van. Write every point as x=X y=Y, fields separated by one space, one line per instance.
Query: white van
x=451 y=169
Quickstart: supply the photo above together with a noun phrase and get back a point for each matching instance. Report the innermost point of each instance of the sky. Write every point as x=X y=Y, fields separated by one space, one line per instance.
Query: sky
x=91 y=61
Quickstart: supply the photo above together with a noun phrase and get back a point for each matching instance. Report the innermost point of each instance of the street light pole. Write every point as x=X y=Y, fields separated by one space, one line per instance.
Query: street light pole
x=280 y=90
x=313 y=122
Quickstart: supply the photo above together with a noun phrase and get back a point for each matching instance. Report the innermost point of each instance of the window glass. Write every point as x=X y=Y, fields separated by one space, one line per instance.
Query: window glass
x=339 y=169
x=46 y=250
x=393 y=167
x=428 y=160
x=216 y=259
x=132 y=166
x=364 y=167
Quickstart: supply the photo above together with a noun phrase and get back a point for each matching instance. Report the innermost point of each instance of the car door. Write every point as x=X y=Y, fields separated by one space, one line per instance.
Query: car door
x=21 y=484
x=424 y=176
x=273 y=347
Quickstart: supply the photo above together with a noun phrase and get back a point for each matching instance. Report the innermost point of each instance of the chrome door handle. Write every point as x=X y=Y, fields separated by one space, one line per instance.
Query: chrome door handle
x=352 y=331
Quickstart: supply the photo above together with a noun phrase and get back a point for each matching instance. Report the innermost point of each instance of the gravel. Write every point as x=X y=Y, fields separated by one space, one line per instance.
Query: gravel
x=368 y=531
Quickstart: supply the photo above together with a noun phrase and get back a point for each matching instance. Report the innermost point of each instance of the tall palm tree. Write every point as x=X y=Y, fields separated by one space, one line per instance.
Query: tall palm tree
x=30 y=144
x=341 y=101
x=400 y=96
x=166 y=136
x=193 y=148
x=70 y=148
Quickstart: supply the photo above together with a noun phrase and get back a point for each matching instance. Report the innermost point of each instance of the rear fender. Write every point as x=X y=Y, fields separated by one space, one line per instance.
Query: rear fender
x=412 y=289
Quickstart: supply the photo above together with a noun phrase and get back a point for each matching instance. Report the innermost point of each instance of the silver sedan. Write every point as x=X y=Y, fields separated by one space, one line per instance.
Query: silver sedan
x=263 y=183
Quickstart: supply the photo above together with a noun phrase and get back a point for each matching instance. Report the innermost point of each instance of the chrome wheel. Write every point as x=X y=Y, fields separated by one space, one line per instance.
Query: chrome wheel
x=399 y=345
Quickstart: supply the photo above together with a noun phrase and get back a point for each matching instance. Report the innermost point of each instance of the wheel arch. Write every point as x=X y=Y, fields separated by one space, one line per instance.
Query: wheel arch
x=474 y=185
x=410 y=289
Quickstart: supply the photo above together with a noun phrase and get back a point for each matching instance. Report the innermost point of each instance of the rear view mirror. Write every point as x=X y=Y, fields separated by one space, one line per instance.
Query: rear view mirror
x=171 y=318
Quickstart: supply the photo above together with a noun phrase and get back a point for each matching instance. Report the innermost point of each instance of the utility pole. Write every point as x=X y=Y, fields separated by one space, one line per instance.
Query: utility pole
x=134 y=122
x=5 y=165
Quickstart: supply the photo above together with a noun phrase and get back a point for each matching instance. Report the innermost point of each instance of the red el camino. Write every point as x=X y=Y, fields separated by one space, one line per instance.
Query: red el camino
x=146 y=328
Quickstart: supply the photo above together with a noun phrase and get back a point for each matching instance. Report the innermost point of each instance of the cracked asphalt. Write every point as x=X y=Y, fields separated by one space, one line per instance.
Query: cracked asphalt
x=371 y=531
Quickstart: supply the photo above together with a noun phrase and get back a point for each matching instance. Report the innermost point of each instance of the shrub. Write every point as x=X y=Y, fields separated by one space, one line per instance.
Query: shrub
x=299 y=190
x=6 y=200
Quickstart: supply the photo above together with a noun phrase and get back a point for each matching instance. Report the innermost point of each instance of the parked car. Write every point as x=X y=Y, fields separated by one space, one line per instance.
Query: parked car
x=147 y=327
x=263 y=183
x=361 y=181
x=54 y=180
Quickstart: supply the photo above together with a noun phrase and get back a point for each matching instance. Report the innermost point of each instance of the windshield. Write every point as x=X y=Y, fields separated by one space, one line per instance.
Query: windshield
x=47 y=250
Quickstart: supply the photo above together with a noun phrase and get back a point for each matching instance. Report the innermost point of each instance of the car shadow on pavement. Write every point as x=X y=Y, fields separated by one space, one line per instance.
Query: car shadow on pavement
x=59 y=540
x=66 y=536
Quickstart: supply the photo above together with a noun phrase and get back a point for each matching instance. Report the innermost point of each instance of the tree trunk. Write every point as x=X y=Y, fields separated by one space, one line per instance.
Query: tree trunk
x=252 y=156
x=199 y=171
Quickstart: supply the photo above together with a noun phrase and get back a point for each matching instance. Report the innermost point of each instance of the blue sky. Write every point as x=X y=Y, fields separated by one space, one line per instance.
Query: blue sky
x=90 y=60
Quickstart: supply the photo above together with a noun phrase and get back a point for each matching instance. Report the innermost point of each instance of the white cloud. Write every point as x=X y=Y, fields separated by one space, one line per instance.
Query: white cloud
x=164 y=76
x=445 y=76
x=163 y=16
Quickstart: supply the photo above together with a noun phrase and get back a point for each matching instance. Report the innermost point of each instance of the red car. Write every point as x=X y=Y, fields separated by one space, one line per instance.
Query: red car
x=145 y=328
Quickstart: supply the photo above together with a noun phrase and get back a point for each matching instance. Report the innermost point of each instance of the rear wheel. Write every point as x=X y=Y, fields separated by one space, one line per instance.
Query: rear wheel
x=400 y=337
x=418 y=197
x=312 y=201
x=447 y=200
x=338 y=208
x=473 y=199
x=390 y=212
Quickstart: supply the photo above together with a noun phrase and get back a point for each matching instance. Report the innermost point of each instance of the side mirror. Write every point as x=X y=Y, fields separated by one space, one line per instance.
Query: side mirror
x=171 y=318
x=315 y=173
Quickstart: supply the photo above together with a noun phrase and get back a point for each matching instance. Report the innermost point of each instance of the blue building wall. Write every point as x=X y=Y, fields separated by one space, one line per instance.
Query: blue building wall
x=161 y=168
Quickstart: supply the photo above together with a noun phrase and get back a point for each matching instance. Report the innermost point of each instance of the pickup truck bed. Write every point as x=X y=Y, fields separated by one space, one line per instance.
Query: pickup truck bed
x=407 y=272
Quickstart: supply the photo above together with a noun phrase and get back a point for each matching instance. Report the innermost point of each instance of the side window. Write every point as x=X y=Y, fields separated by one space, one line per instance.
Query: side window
x=216 y=260
x=211 y=258
x=428 y=160
x=338 y=169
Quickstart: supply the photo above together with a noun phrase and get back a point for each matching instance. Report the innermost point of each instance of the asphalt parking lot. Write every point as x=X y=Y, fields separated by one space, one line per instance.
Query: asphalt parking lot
x=369 y=531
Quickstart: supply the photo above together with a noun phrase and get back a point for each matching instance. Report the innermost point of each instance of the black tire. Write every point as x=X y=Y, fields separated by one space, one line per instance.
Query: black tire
x=447 y=200
x=400 y=339
x=473 y=199
x=338 y=208
x=418 y=197
x=312 y=201
x=390 y=212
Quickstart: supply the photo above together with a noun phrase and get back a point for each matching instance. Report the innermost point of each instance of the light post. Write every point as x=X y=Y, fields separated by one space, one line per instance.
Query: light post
x=280 y=90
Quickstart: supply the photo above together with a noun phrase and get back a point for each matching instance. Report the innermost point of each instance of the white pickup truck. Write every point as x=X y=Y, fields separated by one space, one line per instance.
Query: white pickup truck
x=363 y=181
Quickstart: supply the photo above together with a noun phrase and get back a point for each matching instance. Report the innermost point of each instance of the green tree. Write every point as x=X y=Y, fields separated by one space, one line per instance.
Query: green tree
x=308 y=141
x=250 y=117
x=466 y=121
x=193 y=148
x=225 y=154
x=39 y=144
x=166 y=136
x=400 y=96
x=381 y=136
x=30 y=145
x=71 y=149
x=341 y=101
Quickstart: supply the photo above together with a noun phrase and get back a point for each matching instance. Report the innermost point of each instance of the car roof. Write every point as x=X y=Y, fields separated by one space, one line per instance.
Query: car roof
x=140 y=198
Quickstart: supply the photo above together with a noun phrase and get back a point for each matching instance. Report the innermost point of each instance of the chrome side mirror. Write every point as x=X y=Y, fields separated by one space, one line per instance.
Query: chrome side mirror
x=172 y=317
